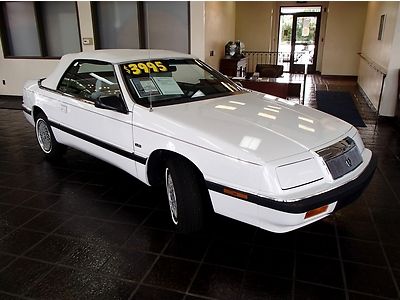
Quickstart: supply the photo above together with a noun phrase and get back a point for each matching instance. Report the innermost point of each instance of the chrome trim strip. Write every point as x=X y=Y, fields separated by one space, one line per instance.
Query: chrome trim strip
x=336 y=149
x=341 y=157
x=303 y=184
x=26 y=110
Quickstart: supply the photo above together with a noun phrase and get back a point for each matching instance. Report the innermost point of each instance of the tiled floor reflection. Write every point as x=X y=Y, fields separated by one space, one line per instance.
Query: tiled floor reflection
x=81 y=229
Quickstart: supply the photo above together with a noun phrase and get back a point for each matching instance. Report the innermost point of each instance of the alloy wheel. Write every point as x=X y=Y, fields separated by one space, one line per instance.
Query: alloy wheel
x=173 y=206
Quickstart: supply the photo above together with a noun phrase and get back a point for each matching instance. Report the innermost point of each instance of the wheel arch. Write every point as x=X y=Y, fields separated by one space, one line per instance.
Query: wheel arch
x=36 y=110
x=156 y=163
x=155 y=170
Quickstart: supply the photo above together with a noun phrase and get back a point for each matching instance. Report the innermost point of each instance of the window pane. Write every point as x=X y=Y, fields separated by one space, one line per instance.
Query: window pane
x=22 y=33
x=117 y=25
x=167 y=25
x=89 y=81
x=300 y=9
x=60 y=25
x=172 y=81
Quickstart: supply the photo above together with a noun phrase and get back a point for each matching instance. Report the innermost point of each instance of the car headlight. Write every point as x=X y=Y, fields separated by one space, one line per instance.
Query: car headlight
x=341 y=157
x=299 y=173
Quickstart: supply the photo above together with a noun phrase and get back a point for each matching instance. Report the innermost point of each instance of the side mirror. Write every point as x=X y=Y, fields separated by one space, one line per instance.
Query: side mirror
x=111 y=102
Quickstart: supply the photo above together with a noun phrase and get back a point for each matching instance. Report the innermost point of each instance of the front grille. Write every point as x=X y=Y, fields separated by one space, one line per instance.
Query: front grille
x=341 y=157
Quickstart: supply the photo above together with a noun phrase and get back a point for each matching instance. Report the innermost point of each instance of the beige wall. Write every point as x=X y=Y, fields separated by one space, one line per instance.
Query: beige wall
x=391 y=88
x=343 y=38
x=384 y=53
x=85 y=23
x=16 y=71
x=219 y=29
x=379 y=51
x=254 y=24
x=257 y=24
x=197 y=28
x=322 y=33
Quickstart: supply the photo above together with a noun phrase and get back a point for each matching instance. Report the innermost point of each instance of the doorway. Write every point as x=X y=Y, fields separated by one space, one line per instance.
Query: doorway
x=298 y=38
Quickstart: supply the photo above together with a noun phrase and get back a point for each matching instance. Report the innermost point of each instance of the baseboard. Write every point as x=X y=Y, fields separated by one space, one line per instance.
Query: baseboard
x=340 y=77
x=10 y=97
x=389 y=120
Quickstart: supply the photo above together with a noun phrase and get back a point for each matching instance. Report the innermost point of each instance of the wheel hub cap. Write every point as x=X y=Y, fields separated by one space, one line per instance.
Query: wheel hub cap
x=173 y=207
x=43 y=135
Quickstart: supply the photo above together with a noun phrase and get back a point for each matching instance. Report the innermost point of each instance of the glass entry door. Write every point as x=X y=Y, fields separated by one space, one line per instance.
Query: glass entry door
x=304 y=44
x=299 y=34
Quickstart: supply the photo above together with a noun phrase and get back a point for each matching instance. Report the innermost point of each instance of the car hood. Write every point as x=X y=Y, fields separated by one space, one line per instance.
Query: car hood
x=250 y=126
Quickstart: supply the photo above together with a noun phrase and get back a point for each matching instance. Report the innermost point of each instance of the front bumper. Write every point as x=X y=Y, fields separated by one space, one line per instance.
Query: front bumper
x=280 y=216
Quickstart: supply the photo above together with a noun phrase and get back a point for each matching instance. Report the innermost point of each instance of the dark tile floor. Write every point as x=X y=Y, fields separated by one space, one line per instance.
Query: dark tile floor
x=81 y=229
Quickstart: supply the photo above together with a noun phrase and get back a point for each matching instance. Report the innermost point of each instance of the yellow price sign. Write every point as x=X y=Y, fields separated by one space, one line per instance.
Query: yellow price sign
x=139 y=68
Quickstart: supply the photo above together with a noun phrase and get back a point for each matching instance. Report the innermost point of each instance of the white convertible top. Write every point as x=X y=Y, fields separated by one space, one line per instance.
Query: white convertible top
x=113 y=56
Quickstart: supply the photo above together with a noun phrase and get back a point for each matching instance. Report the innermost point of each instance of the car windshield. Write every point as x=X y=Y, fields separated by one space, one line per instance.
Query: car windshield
x=174 y=81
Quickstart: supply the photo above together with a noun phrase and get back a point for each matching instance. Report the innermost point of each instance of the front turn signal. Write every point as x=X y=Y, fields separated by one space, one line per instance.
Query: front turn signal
x=316 y=211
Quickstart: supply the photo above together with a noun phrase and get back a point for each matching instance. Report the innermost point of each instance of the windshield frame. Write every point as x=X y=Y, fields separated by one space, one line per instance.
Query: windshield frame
x=181 y=100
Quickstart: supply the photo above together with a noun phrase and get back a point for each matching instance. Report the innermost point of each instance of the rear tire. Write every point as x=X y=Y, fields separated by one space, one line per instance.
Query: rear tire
x=184 y=194
x=46 y=140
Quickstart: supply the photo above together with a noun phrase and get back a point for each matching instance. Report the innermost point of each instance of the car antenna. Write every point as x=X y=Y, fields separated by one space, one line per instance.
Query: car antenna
x=151 y=94
x=148 y=49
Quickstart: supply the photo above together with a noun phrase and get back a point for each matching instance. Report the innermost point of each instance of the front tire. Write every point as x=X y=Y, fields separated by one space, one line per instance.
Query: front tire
x=46 y=140
x=184 y=194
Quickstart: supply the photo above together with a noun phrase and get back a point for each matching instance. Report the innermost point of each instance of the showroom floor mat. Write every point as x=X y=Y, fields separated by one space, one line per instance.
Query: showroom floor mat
x=339 y=104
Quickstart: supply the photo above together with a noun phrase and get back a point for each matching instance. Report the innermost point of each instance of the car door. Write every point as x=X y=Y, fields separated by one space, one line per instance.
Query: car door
x=95 y=117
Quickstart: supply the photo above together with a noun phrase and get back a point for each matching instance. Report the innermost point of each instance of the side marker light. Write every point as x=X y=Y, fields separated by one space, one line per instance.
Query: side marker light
x=235 y=194
x=316 y=211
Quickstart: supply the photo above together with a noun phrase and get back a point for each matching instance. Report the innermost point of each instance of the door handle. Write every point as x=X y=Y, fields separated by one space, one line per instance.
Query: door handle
x=64 y=108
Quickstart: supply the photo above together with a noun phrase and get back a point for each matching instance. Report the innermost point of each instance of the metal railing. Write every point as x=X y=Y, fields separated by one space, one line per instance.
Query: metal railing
x=274 y=58
x=382 y=72
x=373 y=64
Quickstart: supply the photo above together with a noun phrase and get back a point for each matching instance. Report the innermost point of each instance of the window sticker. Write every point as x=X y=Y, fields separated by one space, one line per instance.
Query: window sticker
x=146 y=67
x=145 y=87
x=168 y=86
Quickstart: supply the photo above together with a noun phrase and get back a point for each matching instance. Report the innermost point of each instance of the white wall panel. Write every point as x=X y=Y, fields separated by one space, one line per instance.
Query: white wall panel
x=22 y=31
x=60 y=25
x=118 y=24
x=167 y=25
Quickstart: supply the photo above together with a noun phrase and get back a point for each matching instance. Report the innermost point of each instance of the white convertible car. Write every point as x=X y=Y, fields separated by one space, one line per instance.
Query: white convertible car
x=168 y=118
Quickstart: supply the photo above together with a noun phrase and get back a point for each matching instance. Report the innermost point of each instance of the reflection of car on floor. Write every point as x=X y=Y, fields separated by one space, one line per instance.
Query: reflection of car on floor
x=169 y=119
